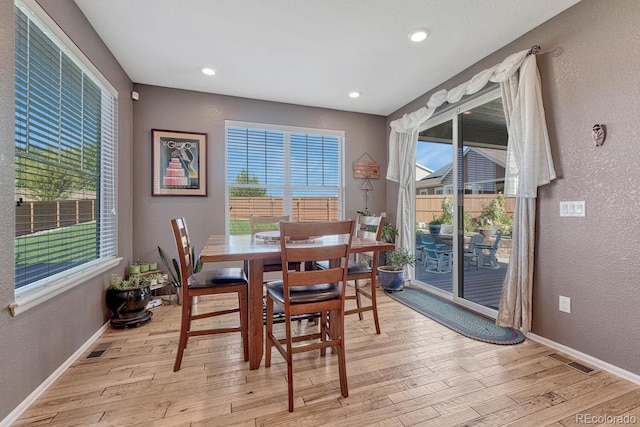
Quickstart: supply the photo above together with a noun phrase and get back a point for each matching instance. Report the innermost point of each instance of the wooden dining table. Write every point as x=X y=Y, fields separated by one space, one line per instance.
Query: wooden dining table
x=224 y=248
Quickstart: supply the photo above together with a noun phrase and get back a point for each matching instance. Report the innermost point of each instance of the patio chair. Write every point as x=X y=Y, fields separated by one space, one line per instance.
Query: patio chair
x=487 y=253
x=419 y=246
x=428 y=239
x=470 y=254
x=437 y=261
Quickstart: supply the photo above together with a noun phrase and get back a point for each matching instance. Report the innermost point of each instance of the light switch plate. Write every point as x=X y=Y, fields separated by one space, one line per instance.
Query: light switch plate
x=572 y=209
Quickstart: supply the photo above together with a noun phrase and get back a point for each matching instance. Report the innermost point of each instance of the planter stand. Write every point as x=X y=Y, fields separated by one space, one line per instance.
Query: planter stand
x=132 y=322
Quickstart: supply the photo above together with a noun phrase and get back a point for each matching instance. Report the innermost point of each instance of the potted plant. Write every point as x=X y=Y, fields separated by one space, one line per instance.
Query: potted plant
x=389 y=232
x=447 y=216
x=173 y=267
x=135 y=268
x=127 y=299
x=435 y=224
x=392 y=275
x=493 y=216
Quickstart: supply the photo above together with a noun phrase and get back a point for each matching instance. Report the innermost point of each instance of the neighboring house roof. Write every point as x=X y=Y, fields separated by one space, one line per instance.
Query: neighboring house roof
x=495 y=155
x=422 y=171
x=436 y=177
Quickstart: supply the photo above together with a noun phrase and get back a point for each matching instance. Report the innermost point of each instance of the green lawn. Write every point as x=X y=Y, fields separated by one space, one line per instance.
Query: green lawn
x=79 y=242
x=242 y=226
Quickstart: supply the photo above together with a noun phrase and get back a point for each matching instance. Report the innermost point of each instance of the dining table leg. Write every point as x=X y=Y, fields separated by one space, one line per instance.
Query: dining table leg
x=256 y=330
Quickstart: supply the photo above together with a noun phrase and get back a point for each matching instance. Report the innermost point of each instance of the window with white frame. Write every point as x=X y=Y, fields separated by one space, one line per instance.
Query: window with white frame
x=65 y=157
x=278 y=170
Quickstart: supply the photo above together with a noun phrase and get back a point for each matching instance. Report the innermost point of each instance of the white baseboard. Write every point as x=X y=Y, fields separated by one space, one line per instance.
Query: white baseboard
x=19 y=410
x=629 y=376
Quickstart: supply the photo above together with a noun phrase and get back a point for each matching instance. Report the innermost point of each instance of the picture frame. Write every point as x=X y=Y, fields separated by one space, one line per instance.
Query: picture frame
x=179 y=163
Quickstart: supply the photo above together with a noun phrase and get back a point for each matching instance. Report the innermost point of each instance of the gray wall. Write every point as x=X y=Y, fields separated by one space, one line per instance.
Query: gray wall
x=592 y=260
x=173 y=109
x=35 y=343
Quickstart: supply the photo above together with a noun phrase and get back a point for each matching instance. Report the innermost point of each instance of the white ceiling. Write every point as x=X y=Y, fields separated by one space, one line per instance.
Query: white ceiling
x=310 y=52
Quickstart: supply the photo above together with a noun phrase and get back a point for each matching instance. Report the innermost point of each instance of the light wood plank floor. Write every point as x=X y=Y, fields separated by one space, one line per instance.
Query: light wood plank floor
x=416 y=373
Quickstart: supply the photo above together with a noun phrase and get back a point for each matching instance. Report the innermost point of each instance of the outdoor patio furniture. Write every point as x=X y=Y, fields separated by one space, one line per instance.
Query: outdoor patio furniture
x=437 y=261
x=427 y=239
x=470 y=254
x=419 y=246
x=487 y=253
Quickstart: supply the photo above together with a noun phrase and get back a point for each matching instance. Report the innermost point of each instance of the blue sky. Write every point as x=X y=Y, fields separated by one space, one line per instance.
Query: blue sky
x=433 y=155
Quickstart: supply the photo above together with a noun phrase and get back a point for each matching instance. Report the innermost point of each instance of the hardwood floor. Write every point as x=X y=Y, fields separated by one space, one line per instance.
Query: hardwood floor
x=416 y=372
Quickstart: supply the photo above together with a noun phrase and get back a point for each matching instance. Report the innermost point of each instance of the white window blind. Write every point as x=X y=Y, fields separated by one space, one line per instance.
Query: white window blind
x=275 y=170
x=65 y=156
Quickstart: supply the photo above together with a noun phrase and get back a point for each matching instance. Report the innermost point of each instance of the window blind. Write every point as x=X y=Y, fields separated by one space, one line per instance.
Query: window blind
x=273 y=170
x=65 y=152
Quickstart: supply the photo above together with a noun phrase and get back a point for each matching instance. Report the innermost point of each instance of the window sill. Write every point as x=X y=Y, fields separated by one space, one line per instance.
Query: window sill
x=32 y=298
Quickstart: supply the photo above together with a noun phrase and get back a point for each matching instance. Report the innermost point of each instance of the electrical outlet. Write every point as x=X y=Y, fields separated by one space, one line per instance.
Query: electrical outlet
x=565 y=304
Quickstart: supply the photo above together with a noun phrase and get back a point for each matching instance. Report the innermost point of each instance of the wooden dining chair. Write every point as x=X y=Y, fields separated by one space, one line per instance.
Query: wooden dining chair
x=220 y=281
x=364 y=267
x=311 y=291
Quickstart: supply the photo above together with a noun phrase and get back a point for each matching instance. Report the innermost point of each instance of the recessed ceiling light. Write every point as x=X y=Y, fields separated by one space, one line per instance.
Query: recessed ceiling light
x=354 y=94
x=418 y=35
x=208 y=71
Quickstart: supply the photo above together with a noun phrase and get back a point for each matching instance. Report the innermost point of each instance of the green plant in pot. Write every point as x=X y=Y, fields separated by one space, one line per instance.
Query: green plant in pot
x=127 y=299
x=435 y=224
x=493 y=217
x=391 y=275
x=389 y=232
x=173 y=267
x=447 y=216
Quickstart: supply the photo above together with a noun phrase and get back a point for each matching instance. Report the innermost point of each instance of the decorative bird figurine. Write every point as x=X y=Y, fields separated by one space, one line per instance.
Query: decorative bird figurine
x=598 y=134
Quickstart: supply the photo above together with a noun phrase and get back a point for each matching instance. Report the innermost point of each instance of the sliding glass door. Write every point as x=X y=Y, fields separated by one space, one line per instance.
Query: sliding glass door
x=466 y=195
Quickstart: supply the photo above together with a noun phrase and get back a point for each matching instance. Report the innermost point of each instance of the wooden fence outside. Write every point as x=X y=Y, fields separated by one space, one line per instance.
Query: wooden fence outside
x=39 y=216
x=303 y=209
x=428 y=205
x=32 y=217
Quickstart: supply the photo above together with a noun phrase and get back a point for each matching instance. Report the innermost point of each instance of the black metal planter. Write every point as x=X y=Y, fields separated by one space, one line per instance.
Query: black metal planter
x=129 y=307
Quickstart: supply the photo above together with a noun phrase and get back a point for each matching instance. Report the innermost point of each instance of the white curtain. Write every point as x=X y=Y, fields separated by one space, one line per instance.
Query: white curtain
x=529 y=161
x=529 y=165
x=405 y=144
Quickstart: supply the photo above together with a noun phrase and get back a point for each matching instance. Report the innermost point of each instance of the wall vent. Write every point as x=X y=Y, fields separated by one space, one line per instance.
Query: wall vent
x=575 y=365
x=99 y=350
x=581 y=367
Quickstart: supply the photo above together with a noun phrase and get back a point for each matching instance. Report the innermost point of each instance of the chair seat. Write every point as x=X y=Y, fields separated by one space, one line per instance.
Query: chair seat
x=358 y=268
x=220 y=277
x=354 y=267
x=304 y=294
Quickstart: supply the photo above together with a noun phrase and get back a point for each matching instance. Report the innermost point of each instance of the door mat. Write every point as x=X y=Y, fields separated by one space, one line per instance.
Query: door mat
x=457 y=318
